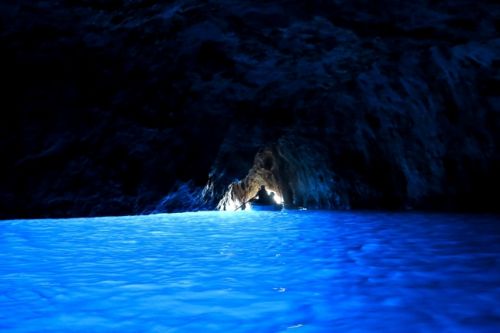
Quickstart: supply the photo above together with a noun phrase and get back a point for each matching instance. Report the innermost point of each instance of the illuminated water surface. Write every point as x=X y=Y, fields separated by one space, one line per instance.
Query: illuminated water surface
x=298 y=271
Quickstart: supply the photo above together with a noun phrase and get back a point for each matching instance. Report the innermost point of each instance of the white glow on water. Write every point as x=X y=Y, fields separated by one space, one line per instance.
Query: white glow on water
x=248 y=207
x=262 y=272
x=233 y=205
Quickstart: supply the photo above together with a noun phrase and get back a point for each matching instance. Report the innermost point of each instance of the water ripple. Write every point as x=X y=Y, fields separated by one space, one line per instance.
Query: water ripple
x=252 y=272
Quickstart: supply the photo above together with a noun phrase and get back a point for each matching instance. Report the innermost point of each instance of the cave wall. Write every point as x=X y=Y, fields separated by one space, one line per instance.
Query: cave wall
x=112 y=107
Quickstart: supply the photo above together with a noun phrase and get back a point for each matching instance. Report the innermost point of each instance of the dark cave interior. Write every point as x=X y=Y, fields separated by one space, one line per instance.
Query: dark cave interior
x=129 y=107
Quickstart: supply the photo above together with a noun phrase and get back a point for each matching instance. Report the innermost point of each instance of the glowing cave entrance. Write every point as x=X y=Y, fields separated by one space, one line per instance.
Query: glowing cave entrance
x=243 y=194
x=232 y=202
x=299 y=173
x=278 y=199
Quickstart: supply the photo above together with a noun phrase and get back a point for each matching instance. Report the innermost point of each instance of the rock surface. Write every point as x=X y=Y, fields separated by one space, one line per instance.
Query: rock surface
x=122 y=107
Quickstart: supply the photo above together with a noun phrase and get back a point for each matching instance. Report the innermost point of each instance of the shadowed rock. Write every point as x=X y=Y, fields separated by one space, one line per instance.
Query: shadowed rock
x=110 y=105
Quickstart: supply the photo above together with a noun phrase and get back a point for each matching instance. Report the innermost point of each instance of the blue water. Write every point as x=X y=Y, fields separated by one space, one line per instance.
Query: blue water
x=296 y=271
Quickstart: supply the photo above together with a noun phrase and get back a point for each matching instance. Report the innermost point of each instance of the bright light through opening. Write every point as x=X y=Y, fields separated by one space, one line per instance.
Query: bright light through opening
x=233 y=205
x=277 y=198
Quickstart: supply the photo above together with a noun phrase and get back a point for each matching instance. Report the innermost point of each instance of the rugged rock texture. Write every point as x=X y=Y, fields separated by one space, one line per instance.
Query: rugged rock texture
x=120 y=107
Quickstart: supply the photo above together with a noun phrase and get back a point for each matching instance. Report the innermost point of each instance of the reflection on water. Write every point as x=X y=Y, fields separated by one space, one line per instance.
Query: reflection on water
x=252 y=272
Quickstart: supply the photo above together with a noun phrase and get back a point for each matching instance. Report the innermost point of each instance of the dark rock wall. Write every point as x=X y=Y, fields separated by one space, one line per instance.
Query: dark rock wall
x=108 y=107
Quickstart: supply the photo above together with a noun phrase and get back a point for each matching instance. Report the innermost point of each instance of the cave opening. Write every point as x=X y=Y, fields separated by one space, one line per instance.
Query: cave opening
x=296 y=169
x=266 y=171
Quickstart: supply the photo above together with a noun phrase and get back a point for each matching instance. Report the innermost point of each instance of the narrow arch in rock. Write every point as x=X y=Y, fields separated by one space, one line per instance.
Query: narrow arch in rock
x=297 y=171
